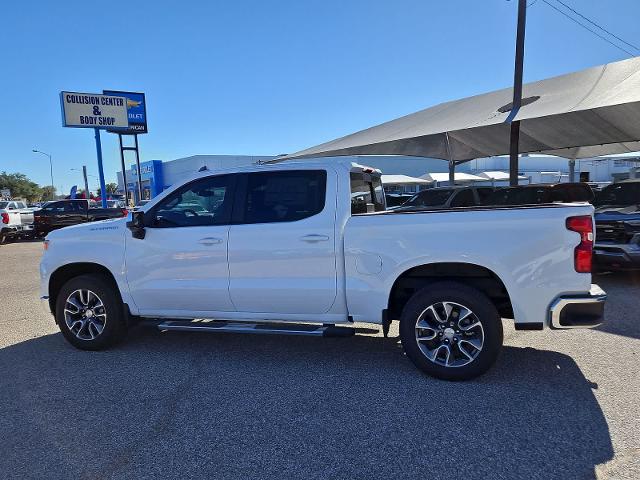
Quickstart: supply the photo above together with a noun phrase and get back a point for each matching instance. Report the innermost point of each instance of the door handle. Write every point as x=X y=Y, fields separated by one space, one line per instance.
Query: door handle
x=209 y=241
x=314 y=238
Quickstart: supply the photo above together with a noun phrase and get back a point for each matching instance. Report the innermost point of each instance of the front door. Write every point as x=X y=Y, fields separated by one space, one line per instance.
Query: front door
x=180 y=268
x=282 y=246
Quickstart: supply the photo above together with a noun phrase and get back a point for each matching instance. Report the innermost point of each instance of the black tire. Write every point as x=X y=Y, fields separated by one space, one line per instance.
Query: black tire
x=114 y=327
x=483 y=310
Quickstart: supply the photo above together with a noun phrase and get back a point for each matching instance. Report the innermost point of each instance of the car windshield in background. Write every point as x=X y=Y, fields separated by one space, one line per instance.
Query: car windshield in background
x=429 y=198
x=3 y=205
x=619 y=194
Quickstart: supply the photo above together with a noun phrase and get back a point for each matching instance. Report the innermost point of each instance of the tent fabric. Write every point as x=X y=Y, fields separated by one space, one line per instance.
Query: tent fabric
x=582 y=114
x=459 y=177
x=403 y=180
x=498 y=176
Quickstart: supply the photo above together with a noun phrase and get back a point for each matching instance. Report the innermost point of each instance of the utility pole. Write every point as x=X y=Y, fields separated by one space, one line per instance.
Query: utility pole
x=86 y=183
x=514 y=146
x=53 y=188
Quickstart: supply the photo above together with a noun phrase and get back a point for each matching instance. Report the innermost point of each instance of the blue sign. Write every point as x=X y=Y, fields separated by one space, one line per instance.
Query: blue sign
x=136 y=112
x=150 y=175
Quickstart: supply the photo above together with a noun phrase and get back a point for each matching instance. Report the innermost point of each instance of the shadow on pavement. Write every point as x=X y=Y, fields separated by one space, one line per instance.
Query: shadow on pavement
x=183 y=405
x=622 y=310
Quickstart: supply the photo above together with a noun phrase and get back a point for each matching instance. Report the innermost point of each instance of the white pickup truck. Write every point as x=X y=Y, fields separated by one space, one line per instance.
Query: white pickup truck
x=308 y=248
x=15 y=219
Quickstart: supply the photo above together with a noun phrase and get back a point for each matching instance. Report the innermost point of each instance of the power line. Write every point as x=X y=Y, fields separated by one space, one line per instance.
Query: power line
x=597 y=25
x=589 y=29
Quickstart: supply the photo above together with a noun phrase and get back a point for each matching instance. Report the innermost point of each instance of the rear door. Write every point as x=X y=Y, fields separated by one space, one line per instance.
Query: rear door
x=282 y=246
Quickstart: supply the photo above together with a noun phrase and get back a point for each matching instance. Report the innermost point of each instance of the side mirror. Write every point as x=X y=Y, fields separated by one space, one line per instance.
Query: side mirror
x=136 y=225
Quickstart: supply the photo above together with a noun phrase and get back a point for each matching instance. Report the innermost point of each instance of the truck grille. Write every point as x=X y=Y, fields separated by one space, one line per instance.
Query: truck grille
x=611 y=232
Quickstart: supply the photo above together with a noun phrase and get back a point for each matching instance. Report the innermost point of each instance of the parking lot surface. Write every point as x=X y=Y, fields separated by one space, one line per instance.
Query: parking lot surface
x=182 y=405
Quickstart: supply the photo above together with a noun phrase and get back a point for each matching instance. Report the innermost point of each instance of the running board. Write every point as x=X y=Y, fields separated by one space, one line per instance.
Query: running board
x=204 y=325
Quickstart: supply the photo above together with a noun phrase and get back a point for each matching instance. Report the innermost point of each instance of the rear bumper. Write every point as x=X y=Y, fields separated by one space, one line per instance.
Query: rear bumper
x=617 y=256
x=578 y=311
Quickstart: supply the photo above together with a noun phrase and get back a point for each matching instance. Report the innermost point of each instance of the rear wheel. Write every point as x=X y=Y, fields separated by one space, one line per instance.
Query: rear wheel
x=89 y=312
x=451 y=331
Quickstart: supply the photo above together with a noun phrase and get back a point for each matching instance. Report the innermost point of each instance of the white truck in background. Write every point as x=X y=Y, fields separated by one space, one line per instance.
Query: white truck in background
x=309 y=248
x=16 y=219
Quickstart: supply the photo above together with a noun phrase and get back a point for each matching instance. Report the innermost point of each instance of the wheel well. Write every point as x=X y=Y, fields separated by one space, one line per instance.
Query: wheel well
x=65 y=273
x=475 y=276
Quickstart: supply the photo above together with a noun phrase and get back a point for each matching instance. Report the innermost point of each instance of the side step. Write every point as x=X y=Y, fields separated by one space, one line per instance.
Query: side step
x=204 y=325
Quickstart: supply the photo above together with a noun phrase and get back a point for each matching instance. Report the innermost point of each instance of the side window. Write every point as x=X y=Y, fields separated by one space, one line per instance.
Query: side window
x=464 y=198
x=366 y=189
x=285 y=196
x=204 y=202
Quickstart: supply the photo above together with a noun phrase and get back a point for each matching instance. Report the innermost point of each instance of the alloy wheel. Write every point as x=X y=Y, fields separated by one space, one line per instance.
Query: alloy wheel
x=85 y=314
x=449 y=334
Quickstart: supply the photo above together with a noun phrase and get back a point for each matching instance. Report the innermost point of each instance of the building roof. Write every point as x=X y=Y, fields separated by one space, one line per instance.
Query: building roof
x=403 y=180
x=459 y=177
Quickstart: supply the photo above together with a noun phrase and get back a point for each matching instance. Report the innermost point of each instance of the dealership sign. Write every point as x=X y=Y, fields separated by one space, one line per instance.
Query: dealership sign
x=136 y=111
x=90 y=110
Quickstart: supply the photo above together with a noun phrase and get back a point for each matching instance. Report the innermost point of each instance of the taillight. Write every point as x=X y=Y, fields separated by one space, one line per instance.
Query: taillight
x=125 y=212
x=5 y=217
x=583 y=253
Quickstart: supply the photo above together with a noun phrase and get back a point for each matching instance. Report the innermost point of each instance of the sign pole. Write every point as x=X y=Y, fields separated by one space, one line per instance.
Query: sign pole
x=86 y=182
x=135 y=137
x=124 y=171
x=103 y=188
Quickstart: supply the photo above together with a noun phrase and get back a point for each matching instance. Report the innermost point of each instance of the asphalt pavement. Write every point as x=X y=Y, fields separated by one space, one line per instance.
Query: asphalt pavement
x=562 y=405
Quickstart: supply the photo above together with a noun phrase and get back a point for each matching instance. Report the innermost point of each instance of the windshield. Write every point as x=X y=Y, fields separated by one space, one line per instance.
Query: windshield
x=429 y=198
x=619 y=194
x=3 y=205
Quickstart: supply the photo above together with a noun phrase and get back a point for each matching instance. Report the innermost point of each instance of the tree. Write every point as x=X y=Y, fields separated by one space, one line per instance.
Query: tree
x=48 y=193
x=20 y=186
x=111 y=188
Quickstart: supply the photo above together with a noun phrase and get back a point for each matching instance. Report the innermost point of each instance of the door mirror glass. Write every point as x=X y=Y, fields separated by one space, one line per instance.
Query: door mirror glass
x=136 y=225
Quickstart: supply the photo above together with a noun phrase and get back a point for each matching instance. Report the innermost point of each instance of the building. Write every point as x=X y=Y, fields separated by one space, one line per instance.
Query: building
x=157 y=175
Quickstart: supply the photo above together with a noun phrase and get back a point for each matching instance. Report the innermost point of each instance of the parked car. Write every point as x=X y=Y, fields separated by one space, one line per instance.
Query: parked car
x=16 y=220
x=617 y=220
x=446 y=197
x=275 y=245
x=64 y=213
x=537 y=194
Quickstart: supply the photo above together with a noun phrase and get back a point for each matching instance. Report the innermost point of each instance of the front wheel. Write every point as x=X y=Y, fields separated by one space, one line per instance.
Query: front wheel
x=89 y=312
x=451 y=331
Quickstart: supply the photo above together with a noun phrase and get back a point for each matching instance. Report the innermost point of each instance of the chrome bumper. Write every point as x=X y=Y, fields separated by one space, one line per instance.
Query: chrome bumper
x=578 y=311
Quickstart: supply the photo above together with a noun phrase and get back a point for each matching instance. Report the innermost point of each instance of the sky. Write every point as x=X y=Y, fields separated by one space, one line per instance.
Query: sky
x=266 y=77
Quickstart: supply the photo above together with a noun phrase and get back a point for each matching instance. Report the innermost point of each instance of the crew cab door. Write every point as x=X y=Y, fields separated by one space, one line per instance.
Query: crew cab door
x=282 y=245
x=180 y=267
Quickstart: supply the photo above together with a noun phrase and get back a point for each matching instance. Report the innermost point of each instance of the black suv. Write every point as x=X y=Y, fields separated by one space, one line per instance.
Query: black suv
x=617 y=219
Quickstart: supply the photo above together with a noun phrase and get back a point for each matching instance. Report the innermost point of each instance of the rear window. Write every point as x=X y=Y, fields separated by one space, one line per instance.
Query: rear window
x=286 y=196
x=366 y=193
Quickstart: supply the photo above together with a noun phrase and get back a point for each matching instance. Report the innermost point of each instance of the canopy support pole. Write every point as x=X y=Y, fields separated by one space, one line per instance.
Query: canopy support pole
x=452 y=164
x=572 y=170
x=517 y=94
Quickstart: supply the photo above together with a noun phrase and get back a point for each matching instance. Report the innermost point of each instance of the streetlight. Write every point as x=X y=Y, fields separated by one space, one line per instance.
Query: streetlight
x=51 y=170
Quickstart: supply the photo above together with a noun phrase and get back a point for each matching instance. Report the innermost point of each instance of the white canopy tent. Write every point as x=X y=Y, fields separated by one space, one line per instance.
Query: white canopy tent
x=459 y=178
x=404 y=180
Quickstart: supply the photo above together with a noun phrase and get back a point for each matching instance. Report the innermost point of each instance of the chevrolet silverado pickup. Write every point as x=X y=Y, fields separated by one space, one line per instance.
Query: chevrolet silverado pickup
x=309 y=248
x=617 y=219
x=64 y=213
x=16 y=220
